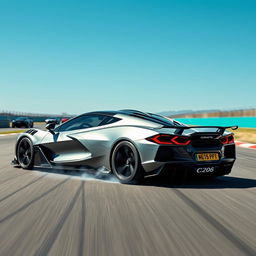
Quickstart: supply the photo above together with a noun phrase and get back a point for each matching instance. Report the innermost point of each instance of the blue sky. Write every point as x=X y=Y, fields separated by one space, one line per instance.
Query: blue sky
x=79 y=56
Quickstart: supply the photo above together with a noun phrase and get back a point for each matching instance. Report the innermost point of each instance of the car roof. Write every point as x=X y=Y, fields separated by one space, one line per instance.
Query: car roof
x=137 y=114
x=116 y=112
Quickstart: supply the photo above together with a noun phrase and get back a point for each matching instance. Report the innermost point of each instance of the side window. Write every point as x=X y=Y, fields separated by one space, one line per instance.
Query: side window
x=109 y=120
x=82 y=122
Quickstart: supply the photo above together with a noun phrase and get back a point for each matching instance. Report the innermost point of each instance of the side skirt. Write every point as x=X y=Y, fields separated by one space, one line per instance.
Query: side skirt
x=40 y=158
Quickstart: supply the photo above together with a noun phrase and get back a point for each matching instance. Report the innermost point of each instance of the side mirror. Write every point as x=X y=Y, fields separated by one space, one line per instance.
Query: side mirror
x=51 y=120
x=50 y=126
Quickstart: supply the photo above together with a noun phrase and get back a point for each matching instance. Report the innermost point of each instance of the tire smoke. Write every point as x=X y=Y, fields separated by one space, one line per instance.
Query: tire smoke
x=82 y=173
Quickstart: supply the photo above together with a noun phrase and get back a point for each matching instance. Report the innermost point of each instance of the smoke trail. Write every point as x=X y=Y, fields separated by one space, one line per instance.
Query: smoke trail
x=83 y=173
x=98 y=174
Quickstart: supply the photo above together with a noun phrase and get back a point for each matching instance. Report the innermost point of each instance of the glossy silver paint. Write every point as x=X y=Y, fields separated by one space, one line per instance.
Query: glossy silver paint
x=93 y=146
x=99 y=141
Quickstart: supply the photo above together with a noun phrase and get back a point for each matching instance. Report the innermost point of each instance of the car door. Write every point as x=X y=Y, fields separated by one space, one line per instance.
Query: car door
x=60 y=147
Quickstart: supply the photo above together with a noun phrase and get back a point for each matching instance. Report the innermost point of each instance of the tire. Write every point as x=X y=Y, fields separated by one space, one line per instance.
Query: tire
x=126 y=164
x=13 y=126
x=25 y=153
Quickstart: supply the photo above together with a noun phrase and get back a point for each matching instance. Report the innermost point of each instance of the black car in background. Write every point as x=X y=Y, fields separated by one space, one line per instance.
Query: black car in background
x=22 y=122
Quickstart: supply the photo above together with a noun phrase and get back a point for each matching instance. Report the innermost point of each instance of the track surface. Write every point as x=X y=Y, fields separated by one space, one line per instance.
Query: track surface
x=45 y=213
x=37 y=125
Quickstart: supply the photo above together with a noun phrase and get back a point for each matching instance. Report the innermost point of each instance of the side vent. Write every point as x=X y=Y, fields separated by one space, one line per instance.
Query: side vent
x=230 y=151
x=31 y=131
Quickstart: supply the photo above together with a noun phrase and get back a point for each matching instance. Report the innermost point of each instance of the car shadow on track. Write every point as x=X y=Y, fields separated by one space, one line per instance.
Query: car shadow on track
x=224 y=182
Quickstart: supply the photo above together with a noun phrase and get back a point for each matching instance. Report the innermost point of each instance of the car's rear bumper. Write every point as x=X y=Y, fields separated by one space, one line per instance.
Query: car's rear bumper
x=192 y=169
x=185 y=157
x=219 y=168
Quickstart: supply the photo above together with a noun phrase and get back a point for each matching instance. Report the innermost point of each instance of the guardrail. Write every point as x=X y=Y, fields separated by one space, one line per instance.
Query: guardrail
x=34 y=118
x=4 y=124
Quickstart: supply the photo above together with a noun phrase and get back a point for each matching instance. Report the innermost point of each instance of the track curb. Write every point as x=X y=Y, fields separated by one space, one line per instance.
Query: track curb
x=245 y=145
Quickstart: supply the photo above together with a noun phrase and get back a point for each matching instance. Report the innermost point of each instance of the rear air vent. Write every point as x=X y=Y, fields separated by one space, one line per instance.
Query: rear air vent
x=169 y=153
x=31 y=131
x=165 y=154
x=229 y=151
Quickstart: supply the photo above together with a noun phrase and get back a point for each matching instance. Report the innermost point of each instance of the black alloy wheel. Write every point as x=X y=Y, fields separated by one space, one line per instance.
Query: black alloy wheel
x=125 y=163
x=25 y=153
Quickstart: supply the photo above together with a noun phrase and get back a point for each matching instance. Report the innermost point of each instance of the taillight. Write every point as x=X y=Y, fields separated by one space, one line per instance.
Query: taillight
x=170 y=139
x=227 y=139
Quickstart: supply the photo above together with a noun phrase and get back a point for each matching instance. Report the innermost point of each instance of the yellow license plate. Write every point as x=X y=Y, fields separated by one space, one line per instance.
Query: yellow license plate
x=207 y=157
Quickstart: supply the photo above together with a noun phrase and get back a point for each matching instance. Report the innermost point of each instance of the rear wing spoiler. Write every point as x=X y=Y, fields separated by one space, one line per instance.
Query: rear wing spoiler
x=220 y=129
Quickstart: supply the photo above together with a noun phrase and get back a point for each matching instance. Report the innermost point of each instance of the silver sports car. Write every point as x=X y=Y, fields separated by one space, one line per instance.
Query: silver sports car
x=130 y=144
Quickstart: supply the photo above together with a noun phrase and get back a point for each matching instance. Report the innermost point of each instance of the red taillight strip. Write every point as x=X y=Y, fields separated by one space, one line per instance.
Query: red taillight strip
x=156 y=139
x=227 y=139
x=180 y=143
x=173 y=139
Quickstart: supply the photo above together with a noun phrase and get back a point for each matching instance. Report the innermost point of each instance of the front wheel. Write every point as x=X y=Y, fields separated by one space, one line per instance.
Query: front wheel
x=25 y=153
x=126 y=164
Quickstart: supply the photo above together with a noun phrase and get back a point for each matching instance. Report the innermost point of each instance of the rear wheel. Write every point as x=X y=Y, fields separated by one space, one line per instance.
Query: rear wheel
x=126 y=164
x=25 y=153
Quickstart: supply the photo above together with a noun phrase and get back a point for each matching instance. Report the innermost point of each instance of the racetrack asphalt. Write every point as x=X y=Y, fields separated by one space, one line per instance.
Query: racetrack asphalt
x=49 y=213
x=37 y=125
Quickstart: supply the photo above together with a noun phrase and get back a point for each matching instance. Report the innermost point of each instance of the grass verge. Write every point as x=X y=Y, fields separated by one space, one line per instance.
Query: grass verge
x=14 y=131
x=39 y=123
x=245 y=135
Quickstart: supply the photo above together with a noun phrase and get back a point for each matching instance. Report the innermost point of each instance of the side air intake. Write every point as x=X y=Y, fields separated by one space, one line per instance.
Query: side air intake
x=31 y=131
